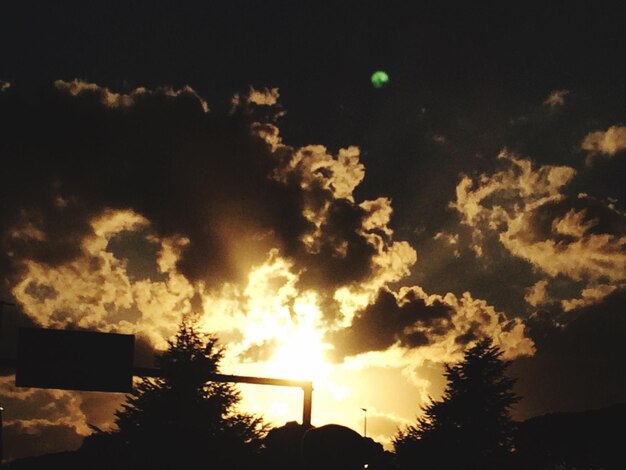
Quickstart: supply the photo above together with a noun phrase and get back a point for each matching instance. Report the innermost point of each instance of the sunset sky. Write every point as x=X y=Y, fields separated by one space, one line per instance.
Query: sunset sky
x=234 y=160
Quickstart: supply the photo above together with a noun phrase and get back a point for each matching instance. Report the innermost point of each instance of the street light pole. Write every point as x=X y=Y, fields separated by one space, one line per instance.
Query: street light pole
x=364 y=422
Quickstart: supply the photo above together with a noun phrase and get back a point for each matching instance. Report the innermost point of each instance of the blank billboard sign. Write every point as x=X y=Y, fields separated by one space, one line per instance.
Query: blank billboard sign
x=74 y=360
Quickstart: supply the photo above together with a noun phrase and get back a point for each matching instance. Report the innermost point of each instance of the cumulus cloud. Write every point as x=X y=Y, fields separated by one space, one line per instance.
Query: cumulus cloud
x=608 y=142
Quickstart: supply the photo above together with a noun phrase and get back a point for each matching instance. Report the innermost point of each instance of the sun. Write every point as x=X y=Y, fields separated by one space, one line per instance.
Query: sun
x=282 y=327
x=299 y=354
x=300 y=357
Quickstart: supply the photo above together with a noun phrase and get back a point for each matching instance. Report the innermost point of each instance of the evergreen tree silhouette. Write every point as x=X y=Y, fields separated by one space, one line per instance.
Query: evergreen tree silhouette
x=182 y=418
x=470 y=427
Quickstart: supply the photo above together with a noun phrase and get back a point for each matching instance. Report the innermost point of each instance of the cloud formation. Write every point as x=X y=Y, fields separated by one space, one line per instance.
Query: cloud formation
x=608 y=142
x=128 y=210
x=264 y=97
x=412 y=319
x=528 y=211
x=225 y=187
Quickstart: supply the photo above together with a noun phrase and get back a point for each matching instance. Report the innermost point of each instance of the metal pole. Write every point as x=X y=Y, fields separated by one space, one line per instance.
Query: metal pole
x=307 y=404
x=364 y=422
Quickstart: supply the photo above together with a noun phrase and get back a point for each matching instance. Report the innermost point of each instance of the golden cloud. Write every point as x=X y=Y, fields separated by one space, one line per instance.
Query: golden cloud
x=608 y=142
x=111 y=99
x=514 y=203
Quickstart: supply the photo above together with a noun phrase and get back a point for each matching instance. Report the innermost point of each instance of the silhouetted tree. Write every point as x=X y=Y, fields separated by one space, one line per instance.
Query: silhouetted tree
x=181 y=418
x=470 y=427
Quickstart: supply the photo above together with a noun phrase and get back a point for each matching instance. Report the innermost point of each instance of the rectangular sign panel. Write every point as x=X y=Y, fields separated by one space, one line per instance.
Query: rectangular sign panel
x=74 y=360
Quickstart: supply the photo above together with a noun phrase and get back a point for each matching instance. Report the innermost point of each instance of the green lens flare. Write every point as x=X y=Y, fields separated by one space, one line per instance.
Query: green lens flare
x=379 y=79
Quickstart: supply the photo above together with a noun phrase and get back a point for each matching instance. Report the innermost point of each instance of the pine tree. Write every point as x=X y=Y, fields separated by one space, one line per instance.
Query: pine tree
x=181 y=418
x=470 y=427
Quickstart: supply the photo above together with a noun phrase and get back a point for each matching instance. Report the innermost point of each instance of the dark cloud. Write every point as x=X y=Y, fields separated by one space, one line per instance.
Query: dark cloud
x=412 y=319
x=344 y=255
x=140 y=253
x=77 y=149
x=408 y=321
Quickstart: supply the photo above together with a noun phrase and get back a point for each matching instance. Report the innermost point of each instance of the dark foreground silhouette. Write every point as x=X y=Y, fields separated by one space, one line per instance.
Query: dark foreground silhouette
x=181 y=421
x=584 y=440
x=566 y=441
x=292 y=446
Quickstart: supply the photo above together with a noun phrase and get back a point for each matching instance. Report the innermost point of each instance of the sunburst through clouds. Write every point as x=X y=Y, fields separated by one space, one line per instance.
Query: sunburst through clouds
x=270 y=247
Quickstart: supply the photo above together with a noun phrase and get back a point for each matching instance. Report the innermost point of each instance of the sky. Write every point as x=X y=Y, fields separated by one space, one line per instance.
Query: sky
x=233 y=160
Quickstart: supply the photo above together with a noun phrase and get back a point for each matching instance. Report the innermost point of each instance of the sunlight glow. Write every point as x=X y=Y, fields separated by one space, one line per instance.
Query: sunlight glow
x=300 y=354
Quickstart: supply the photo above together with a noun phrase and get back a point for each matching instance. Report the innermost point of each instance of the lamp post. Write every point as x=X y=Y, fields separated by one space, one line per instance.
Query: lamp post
x=364 y=422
